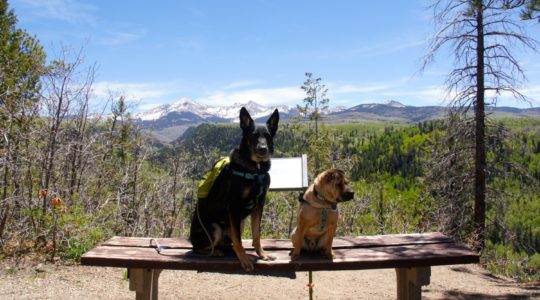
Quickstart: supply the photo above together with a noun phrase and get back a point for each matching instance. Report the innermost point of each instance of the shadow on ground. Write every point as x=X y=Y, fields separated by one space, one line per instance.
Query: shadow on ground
x=460 y=295
x=525 y=290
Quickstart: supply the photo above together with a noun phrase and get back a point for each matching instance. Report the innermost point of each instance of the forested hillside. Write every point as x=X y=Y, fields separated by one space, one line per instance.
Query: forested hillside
x=397 y=175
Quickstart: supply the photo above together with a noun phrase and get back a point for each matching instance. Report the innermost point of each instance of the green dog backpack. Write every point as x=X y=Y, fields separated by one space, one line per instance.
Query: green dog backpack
x=206 y=183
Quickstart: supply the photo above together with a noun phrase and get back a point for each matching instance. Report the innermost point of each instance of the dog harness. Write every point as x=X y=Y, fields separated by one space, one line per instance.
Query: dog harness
x=324 y=210
x=249 y=176
x=258 y=179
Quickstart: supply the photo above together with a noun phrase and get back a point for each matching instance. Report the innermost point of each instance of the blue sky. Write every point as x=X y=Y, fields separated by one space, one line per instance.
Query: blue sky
x=221 y=52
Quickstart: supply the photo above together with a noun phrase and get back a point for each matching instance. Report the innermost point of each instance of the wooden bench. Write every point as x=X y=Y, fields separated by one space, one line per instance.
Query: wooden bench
x=411 y=255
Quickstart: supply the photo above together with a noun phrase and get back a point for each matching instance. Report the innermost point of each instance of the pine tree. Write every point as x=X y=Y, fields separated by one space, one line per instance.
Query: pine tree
x=480 y=34
x=314 y=103
x=21 y=62
x=530 y=10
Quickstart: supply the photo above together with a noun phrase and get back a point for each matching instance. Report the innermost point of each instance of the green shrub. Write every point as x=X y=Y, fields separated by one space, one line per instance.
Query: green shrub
x=501 y=259
x=75 y=247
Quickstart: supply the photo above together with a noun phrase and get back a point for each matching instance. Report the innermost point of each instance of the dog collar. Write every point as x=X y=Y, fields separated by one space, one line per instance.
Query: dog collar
x=321 y=197
x=332 y=206
x=249 y=176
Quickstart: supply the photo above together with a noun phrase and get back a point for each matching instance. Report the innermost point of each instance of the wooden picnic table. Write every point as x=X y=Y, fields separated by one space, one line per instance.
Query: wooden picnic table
x=411 y=255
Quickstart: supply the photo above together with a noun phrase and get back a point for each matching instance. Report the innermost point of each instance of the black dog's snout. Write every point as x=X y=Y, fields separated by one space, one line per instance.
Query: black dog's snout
x=263 y=150
x=262 y=147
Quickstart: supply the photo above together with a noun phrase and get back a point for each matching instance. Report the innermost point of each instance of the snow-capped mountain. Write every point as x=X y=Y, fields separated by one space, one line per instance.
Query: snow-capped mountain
x=393 y=103
x=168 y=122
x=189 y=109
x=183 y=105
x=231 y=112
x=386 y=103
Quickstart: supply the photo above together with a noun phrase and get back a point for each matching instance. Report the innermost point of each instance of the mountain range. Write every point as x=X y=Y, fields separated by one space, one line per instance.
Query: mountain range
x=169 y=121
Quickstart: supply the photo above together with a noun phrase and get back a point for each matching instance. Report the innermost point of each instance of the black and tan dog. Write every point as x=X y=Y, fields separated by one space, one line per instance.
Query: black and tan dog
x=317 y=214
x=239 y=191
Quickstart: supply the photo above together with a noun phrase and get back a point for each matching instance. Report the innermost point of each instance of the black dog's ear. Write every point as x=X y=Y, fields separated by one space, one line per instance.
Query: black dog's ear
x=272 y=122
x=246 y=122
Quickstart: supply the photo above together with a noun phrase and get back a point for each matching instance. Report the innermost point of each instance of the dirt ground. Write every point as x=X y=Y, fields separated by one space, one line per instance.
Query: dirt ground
x=48 y=281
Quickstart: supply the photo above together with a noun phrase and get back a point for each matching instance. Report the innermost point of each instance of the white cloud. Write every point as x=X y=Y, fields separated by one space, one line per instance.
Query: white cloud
x=430 y=95
x=191 y=43
x=65 y=10
x=241 y=84
x=533 y=92
x=147 y=106
x=112 y=38
x=345 y=94
x=264 y=96
x=359 y=88
x=405 y=90
x=147 y=95
x=132 y=91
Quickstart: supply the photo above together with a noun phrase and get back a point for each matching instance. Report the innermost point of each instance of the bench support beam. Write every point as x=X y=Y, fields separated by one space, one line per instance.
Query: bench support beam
x=410 y=282
x=144 y=282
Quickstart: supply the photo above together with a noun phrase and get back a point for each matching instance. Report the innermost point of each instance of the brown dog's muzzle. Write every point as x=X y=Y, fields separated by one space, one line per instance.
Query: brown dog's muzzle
x=346 y=196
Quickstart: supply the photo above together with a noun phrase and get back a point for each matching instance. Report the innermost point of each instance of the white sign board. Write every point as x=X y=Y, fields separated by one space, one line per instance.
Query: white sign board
x=289 y=174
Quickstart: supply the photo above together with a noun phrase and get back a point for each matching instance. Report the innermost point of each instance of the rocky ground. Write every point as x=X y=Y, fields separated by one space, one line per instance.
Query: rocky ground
x=48 y=281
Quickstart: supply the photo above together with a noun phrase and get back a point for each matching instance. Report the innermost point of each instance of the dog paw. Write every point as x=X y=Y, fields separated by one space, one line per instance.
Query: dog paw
x=330 y=255
x=265 y=256
x=294 y=256
x=218 y=253
x=246 y=262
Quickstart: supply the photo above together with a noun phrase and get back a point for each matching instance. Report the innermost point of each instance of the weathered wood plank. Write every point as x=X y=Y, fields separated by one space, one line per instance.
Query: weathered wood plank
x=276 y=244
x=404 y=255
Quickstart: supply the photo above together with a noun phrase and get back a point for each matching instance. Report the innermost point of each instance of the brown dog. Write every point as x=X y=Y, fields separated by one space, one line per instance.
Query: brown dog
x=317 y=214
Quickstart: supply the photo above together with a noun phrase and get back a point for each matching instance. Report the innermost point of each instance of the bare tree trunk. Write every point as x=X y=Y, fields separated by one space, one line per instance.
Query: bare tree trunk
x=172 y=223
x=75 y=153
x=3 y=219
x=4 y=205
x=77 y=148
x=51 y=151
x=29 y=179
x=134 y=205
x=7 y=137
x=480 y=156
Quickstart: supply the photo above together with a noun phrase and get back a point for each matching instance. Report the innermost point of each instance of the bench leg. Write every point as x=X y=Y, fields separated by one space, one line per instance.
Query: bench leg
x=144 y=282
x=410 y=282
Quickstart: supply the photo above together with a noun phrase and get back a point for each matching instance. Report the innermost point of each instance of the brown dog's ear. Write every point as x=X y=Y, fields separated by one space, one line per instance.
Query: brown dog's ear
x=334 y=174
x=246 y=122
x=330 y=175
x=272 y=122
